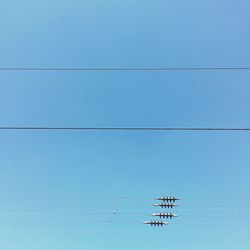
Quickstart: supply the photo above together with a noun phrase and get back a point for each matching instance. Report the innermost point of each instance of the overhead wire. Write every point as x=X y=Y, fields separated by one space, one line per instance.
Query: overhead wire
x=115 y=213
x=114 y=198
x=114 y=231
x=80 y=220
x=126 y=128
x=124 y=69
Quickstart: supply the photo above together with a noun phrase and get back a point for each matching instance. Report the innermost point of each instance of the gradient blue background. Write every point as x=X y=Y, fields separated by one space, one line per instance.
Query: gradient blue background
x=49 y=179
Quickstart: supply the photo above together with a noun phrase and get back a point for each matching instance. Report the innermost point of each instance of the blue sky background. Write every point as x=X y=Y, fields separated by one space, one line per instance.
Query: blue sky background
x=49 y=180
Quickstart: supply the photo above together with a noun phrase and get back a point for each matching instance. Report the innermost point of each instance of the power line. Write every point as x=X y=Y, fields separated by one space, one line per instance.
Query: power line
x=116 y=213
x=10 y=197
x=77 y=220
x=127 y=128
x=127 y=69
x=67 y=229
x=95 y=197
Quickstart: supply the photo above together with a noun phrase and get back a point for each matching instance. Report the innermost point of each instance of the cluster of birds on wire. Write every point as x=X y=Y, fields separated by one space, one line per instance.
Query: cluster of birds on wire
x=166 y=202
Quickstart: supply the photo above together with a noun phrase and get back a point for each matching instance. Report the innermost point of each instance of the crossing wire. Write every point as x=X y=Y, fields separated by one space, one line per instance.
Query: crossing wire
x=127 y=128
x=126 y=69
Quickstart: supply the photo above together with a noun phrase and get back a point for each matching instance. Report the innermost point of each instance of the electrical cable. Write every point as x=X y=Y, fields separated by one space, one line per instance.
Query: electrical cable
x=126 y=128
x=125 y=69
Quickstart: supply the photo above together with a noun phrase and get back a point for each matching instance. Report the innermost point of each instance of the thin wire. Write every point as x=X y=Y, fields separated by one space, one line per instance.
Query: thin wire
x=113 y=213
x=125 y=128
x=126 y=69
x=137 y=212
x=81 y=203
x=121 y=203
x=109 y=231
x=80 y=220
x=116 y=199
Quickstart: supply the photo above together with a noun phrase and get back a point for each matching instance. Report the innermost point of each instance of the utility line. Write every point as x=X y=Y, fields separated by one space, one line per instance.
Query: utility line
x=84 y=205
x=87 y=202
x=127 y=128
x=70 y=220
x=98 y=197
x=116 y=213
x=67 y=229
x=126 y=69
x=118 y=199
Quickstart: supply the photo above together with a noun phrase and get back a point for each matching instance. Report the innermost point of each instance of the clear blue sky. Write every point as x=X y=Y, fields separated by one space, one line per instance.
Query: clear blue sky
x=49 y=180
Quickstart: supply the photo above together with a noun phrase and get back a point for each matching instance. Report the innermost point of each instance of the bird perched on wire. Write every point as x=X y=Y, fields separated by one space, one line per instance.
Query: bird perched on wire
x=156 y=223
x=165 y=215
x=168 y=205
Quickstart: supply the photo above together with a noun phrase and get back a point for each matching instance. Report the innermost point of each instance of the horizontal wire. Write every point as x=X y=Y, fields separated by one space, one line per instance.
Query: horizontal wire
x=115 y=199
x=178 y=206
x=180 y=203
x=115 y=213
x=70 y=220
x=117 y=206
x=177 y=210
x=125 y=128
x=54 y=228
x=124 y=69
